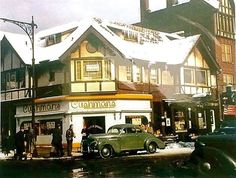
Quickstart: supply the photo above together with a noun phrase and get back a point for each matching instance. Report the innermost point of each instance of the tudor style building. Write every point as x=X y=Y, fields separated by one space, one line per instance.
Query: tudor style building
x=15 y=83
x=105 y=73
x=214 y=20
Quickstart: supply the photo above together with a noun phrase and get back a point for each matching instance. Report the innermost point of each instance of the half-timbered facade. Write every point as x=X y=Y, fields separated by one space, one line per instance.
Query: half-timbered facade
x=103 y=73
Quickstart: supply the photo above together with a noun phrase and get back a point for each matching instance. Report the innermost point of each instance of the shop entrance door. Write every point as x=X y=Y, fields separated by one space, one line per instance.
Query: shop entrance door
x=95 y=124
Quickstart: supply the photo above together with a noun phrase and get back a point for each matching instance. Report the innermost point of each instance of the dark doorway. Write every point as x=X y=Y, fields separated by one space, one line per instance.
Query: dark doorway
x=95 y=125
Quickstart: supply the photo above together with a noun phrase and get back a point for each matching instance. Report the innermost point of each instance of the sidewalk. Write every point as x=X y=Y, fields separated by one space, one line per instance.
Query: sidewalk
x=172 y=149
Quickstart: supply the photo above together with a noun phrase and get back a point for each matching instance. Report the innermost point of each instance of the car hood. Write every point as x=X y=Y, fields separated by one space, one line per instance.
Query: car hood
x=225 y=143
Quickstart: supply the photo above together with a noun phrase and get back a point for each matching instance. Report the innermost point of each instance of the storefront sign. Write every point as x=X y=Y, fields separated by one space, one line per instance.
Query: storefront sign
x=93 y=104
x=42 y=107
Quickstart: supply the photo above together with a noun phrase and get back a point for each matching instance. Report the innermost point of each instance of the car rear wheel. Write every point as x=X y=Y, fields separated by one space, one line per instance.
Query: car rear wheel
x=106 y=151
x=151 y=148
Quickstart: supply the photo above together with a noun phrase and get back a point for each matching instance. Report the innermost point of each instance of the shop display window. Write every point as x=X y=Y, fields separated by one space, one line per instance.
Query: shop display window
x=201 y=121
x=180 y=123
x=46 y=126
x=136 y=119
x=28 y=124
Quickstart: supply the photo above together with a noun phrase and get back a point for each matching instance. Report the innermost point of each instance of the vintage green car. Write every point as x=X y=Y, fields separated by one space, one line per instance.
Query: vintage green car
x=121 y=138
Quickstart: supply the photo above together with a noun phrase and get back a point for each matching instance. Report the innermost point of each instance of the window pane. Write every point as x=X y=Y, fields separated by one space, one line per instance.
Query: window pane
x=226 y=53
x=153 y=78
x=92 y=69
x=228 y=79
x=128 y=73
x=201 y=77
x=3 y=81
x=78 y=70
x=107 y=70
x=189 y=76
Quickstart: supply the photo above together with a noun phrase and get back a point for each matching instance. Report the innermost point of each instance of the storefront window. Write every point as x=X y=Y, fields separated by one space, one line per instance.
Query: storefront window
x=28 y=124
x=201 y=121
x=180 y=124
x=46 y=126
x=136 y=120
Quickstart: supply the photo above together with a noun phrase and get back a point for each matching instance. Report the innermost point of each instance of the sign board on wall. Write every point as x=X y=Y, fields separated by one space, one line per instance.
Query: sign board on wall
x=93 y=104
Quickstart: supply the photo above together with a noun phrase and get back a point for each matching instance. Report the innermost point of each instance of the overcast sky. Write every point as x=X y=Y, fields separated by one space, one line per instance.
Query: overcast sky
x=50 y=13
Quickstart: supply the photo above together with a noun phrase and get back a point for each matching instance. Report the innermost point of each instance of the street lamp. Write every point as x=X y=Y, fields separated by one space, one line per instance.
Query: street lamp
x=29 y=30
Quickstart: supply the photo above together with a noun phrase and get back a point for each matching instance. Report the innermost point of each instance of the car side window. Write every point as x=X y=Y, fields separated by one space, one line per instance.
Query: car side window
x=113 y=130
x=131 y=130
x=122 y=131
x=138 y=130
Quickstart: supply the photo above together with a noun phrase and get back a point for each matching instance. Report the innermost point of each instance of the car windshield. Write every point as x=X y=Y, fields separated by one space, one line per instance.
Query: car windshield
x=114 y=130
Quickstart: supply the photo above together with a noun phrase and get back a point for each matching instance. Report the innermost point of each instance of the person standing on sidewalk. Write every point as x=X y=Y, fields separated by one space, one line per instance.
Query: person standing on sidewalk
x=69 y=138
x=29 y=136
x=20 y=143
x=57 y=141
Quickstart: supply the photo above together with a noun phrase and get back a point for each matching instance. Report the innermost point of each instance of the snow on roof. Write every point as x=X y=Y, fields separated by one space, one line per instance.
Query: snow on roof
x=21 y=43
x=57 y=29
x=54 y=52
x=213 y=3
x=153 y=46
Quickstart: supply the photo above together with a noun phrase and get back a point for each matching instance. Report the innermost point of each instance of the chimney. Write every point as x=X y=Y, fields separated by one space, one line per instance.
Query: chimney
x=144 y=9
x=170 y=3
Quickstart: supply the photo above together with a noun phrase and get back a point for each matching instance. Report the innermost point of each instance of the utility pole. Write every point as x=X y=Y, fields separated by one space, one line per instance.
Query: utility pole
x=28 y=28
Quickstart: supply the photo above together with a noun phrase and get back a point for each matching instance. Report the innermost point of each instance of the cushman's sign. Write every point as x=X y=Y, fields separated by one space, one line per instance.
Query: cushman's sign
x=93 y=104
x=42 y=107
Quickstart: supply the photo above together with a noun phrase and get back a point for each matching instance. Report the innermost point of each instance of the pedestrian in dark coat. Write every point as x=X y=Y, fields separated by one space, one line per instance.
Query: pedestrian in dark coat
x=69 y=138
x=57 y=141
x=29 y=136
x=84 y=133
x=20 y=143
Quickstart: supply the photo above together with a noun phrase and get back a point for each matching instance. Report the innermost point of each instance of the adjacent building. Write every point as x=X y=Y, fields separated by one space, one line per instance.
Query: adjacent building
x=213 y=19
x=96 y=72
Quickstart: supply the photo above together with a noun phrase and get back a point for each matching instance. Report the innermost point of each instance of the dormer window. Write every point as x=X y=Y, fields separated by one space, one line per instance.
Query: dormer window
x=53 y=39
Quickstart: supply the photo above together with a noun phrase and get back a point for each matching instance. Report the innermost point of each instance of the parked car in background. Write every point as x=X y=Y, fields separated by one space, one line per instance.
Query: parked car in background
x=215 y=153
x=121 y=138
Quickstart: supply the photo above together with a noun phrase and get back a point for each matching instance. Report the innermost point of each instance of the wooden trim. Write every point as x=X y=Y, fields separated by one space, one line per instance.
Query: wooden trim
x=97 y=97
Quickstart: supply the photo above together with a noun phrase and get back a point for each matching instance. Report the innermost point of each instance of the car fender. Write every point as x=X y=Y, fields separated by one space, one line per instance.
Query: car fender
x=224 y=160
x=114 y=144
x=159 y=143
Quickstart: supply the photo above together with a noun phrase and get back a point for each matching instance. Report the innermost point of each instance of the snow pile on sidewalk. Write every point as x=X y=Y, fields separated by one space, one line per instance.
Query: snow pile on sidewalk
x=180 y=148
x=180 y=145
x=7 y=156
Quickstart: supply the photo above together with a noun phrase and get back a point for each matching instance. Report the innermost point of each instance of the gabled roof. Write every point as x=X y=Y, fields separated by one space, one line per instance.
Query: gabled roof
x=21 y=44
x=153 y=46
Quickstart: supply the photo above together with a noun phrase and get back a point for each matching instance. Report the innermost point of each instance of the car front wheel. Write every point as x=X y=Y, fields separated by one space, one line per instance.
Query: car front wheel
x=106 y=151
x=151 y=148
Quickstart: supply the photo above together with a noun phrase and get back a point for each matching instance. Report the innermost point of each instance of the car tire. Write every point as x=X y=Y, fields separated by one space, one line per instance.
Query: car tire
x=207 y=166
x=152 y=147
x=106 y=151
